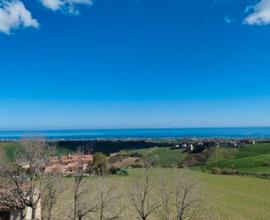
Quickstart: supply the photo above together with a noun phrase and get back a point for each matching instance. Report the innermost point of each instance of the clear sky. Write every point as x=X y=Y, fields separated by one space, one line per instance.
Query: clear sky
x=134 y=63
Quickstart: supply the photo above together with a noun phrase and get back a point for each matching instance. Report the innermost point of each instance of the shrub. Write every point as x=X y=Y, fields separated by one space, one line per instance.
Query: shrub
x=137 y=165
x=181 y=165
x=224 y=171
x=113 y=170
x=266 y=163
x=122 y=172
x=229 y=171
x=216 y=170
x=99 y=166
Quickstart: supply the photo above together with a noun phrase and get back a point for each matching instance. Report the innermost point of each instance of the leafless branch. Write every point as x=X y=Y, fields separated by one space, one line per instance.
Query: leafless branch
x=141 y=199
x=24 y=174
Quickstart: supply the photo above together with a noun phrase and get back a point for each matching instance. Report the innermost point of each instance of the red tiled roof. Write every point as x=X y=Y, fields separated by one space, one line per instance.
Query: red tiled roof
x=69 y=163
x=8 y=200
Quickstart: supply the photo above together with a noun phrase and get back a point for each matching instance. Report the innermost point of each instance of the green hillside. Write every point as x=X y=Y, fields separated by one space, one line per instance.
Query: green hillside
x=251 y=159
x=160 y=156
x=253 y=150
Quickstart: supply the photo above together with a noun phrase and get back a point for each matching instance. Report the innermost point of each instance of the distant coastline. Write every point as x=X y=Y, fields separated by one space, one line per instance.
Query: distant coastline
x=90 y=134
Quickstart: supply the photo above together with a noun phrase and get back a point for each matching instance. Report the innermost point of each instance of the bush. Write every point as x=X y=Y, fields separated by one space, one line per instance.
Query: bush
x=137 y=165
x=266 y=163
x=122 y=172
x=216 y=170
x=136 y=154
x=224 y=171
x=264 y=175
x=118 y=171
x=113 y=170
x=100 y=165
x=181 y=165
x=229 y=171
x=168 y=166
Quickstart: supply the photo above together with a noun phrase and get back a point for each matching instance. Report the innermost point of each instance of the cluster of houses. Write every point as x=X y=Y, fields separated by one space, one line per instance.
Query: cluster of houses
x=68 y=165
x=193 y=145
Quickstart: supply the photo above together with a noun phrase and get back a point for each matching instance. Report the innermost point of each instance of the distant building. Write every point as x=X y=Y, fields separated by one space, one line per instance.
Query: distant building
x=200 y=143
x=191 y=147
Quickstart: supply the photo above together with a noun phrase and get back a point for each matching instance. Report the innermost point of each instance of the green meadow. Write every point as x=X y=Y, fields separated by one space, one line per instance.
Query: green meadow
x=223 y=197
x=250 y=159
x=160 y=156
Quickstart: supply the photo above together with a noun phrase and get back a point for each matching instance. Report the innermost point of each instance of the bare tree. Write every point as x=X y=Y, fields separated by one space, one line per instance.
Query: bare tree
x=141 y=198
x=182 y=202
x=165 y=201
x=81 y=207
x=186 y=201
x=107 y=197
x=96 y=200
x=24 y=175
x=49 y=197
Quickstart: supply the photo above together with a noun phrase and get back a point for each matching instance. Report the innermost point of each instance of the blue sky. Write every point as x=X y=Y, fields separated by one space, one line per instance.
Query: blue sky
x=134 y=63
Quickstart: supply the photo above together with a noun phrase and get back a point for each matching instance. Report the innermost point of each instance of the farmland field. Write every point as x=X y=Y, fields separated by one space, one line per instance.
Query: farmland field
x=224 y=197
x=160 y=156
x=251 y=159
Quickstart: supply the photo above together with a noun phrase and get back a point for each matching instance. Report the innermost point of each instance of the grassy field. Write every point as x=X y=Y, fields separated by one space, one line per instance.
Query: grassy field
x=253 y=158
x=161 y=156
x=225 y=197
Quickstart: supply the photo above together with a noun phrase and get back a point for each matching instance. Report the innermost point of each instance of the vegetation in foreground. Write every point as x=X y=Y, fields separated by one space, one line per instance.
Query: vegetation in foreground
x=223 y=196
x=25 y=185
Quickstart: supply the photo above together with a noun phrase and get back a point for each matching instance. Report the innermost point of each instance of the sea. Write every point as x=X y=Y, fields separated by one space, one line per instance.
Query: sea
x=90 y=134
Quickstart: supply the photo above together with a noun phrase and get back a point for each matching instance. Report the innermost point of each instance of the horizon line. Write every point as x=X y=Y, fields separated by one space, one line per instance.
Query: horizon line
x=128 y=128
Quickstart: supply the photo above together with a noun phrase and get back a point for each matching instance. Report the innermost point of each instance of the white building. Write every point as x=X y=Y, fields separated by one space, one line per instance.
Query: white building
x=184 y=145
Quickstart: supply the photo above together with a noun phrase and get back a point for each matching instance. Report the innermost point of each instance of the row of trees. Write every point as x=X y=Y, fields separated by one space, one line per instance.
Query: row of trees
x=27 y=184
x=168 y=201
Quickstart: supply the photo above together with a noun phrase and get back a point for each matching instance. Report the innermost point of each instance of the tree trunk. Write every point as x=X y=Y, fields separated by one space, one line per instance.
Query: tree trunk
x=33 y=214
x=75 y=207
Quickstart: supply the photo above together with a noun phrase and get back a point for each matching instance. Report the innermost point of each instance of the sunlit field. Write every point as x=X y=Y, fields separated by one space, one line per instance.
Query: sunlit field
x=222 y=197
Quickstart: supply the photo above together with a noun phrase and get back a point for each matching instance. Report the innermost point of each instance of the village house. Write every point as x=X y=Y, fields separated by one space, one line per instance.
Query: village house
x=12 y=209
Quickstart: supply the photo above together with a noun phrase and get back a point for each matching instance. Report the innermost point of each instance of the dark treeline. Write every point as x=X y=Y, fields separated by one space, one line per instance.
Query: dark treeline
x=108 y=146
